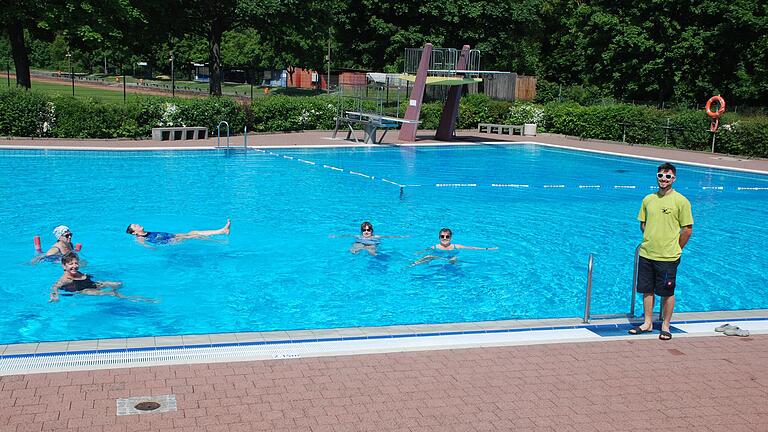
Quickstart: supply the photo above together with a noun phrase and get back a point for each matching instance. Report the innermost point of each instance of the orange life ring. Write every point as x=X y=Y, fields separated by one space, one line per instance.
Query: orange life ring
x=720 y=111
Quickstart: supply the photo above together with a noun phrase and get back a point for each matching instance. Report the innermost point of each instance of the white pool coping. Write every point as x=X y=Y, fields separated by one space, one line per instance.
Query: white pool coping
x=68 y=356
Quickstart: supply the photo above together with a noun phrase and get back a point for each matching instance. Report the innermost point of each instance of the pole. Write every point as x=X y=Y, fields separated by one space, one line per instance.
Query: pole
x=124 y=93
x=8 y=70
x=71 y=73
x=328 y=81
x=173 y=79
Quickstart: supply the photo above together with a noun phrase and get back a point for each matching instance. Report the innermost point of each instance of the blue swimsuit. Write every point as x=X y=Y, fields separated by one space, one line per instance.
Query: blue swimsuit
x=367 y=241
x=445 y=253
x=159 y=237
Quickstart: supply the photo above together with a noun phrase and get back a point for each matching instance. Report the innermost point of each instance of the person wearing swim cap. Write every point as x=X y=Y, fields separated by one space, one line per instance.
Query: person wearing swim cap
x=62 y=246
x=159 y=237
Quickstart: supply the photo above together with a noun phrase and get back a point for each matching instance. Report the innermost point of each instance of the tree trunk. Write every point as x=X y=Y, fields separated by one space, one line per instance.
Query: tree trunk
x=19 y=53
x=215 y=66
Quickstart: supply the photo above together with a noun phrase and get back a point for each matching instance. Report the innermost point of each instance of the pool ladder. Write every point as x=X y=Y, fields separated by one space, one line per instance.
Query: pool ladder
x=227 y=147
x=588 y=300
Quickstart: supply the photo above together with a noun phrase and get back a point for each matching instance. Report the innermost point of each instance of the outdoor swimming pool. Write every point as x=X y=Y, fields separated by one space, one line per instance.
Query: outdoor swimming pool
x=280 y=270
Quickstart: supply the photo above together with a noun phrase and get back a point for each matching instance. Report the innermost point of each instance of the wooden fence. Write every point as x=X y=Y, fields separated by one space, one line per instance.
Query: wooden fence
x=509 y=87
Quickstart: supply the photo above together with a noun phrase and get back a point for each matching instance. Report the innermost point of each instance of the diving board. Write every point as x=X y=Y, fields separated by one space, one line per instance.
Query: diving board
x=371 y=123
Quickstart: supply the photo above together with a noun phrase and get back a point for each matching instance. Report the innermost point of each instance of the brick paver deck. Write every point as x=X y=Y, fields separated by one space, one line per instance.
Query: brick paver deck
x=687 y=384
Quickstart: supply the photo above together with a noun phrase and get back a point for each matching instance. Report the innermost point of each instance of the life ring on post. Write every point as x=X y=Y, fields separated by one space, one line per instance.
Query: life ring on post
x=715 y=115
x=720 y=110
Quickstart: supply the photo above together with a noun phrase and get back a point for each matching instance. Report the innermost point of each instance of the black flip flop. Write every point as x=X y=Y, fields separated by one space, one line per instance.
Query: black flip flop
x=636 y=330
x=665 y=335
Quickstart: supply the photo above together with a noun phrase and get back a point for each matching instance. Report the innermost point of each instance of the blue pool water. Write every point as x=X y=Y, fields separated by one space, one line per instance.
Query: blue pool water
x=281 y=270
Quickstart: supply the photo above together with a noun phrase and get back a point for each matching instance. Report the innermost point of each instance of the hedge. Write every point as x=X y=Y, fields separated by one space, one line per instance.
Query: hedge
x=27 y=113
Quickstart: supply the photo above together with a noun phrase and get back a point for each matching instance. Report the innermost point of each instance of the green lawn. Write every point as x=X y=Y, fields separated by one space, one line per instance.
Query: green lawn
x=103 y=95
x=116 y=95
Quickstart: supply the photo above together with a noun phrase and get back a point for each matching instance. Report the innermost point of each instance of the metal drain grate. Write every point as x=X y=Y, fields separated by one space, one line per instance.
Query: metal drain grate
x=146 y=405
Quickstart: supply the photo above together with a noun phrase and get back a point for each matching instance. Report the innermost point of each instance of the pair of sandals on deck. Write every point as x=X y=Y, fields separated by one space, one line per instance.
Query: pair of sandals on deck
x=732 y=330
x=663 y=335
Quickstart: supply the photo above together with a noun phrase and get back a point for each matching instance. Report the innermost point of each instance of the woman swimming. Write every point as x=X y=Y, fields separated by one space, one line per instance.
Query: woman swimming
x=366 y=240
x=75 y=282
x=445 y=249
x=159 y=237
x=62 y=246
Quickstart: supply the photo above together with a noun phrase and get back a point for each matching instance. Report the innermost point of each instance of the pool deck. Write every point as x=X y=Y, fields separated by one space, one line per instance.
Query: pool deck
x=322 y=138
x=695 y=382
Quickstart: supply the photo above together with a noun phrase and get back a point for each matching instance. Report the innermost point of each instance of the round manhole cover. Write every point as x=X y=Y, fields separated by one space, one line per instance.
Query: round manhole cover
x=147 y=406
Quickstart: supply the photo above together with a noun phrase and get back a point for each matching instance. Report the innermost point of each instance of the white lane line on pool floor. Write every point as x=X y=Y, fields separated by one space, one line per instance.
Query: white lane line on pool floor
x=512 y=185
x=455 y=184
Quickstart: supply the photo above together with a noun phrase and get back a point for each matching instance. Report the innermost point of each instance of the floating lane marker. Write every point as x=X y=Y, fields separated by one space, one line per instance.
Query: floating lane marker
x=752 y=188
x=332 y=167
x=391 y=182
x=359 y=174
x=589 y=186
x=712 y=187
x=456 y=185
x=305 y=161
x=558 y=186
x=288 y=157
x=512 y=185
x=624 y=187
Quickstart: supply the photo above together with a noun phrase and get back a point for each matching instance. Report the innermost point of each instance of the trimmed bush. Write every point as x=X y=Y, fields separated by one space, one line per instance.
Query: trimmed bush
x=25 y=113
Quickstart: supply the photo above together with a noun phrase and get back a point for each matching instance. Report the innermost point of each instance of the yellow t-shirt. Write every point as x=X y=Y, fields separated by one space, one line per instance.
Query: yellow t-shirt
x=663 y=217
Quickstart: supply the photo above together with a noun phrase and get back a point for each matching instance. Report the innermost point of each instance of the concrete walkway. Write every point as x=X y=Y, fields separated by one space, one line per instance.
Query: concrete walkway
x=314 y=138
x=643 y=384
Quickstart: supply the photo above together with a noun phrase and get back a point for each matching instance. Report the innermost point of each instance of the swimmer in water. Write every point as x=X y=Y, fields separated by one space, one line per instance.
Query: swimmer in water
x=75 y=282
x=159 y=237
x=366 y=240
x=62 y=246
x=445 y=249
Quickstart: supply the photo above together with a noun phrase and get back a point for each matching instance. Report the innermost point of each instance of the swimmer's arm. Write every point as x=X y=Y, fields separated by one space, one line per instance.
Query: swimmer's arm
x=431 y=248
x=341 y=235
x=143 y=242
x=393 y=236
x=458 y=246
x=105 y=284
x=52 y=251
x=55 y=291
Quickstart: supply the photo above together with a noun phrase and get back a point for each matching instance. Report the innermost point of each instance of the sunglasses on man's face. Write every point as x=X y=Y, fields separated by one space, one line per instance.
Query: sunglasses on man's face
x=367 y=230
x=445 y=236
x=68 y=235
x=665 y=176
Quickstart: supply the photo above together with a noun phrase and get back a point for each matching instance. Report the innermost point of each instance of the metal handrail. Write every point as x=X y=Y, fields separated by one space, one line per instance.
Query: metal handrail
x=589 y=288
x=588 y=300
x=218 y=133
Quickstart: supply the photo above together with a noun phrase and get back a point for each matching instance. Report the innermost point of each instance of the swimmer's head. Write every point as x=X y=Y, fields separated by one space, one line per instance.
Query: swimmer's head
x=62 y=231
x=70 y=262
x=69 y=257
x=366 y=227
x=445 y=235
x=134 y=228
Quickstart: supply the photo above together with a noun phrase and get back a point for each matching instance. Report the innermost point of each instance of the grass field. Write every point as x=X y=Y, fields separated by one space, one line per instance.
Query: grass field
x=103 y=95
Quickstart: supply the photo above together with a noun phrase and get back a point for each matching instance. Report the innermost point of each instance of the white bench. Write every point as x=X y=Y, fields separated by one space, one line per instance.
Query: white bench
x=179 y=133
x=500 y=129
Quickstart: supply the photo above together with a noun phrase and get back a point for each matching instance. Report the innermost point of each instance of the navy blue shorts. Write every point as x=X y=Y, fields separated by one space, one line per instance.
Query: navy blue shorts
x=656 y=277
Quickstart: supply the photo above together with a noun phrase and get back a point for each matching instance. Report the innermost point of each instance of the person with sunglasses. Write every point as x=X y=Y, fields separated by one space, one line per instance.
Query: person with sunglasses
x=62 y=246
x=366 y=240
x=666 y=221
x=445 y=249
